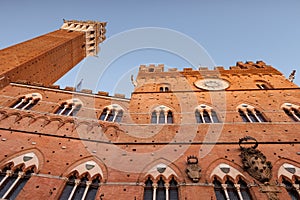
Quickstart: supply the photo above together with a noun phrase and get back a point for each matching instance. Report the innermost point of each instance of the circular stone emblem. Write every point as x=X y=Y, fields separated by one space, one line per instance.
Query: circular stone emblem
x=211 y=84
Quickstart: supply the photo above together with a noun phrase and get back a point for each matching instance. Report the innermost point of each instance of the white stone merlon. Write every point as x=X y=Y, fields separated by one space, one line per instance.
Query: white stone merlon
x=94 y=33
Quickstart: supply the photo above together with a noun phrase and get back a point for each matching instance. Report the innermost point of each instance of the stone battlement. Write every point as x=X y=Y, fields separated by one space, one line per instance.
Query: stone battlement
x=247 y=67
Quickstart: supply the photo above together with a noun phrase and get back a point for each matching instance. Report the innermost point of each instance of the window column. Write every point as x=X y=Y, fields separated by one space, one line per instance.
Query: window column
x=237 y=187
x=20 y=175
x=167 y=190
x=224 y=187
x=88 y=183
x=154 y=185
x=64 y=108
x=8 y=174
x=77 y=181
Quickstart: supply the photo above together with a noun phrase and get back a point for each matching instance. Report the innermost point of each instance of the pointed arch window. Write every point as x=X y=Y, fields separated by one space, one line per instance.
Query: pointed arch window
x=112 y=113
x=162 y=115
x=26 y=102
x=205 y=114
x=293 y=111
x=250 y=114
x=263 y=85
x=16 y=173
x=83 y=182
x=164 y=87
x=13 y=181
x=69 y=107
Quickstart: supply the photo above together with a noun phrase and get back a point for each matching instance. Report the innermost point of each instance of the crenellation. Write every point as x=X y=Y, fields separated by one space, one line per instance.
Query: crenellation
x=103 y=93
x=70 y=88
x=203 y=68
x=185 y=129
x=122 y=96
x=87 y=91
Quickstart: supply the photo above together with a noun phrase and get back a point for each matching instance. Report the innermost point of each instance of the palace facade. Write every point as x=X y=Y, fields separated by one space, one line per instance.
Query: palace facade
x=184 y=134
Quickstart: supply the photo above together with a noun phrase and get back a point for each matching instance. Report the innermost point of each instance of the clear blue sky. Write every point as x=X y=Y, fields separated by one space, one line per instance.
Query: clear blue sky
x=230 y=31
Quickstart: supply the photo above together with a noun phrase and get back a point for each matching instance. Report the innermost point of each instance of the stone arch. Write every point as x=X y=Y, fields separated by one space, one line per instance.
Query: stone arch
x=81 y=167
x=112 y=113
x=211 y=171
x=29 y=158
x=172 y=170
x=30 y=97
x=287 y=168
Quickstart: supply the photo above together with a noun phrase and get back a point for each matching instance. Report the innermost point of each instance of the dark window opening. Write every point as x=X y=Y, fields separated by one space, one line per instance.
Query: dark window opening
x=291 y=190
x=103 y=114
x=153 y=118
x=161 y=119
x=160 y=191
x=148 y=190
x=244 y=190
x=206 y=117
x=243 y=116
x=219 y=192
x=169 y=117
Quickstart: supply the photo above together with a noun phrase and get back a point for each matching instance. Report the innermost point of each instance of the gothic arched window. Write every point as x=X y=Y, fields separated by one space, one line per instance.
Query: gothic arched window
x=112 y=113
x=250 y=114
x=27 y=102
x=69 y=107
x=84 y=185
x=205 y=114
x=162 y=115
x=263 y=85
x=293 y=111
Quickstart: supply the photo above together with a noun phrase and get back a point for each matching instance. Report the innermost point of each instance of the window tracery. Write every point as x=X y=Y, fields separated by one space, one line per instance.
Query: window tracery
x=83 y=182
x=15 y=175
x=162 y=115
x=234 y=187
x=205 y=114
x=27 y=101
x=250 y=114
x=112 y=113
x=69 y=107
x=290 y=179
x=292 y=110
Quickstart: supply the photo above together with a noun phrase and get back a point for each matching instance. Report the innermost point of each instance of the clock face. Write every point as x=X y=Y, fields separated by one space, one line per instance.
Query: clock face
x=212 y=84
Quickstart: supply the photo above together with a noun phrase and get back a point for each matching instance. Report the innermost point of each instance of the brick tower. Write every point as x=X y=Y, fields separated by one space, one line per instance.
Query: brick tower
x=188 y=134
x=46 y=58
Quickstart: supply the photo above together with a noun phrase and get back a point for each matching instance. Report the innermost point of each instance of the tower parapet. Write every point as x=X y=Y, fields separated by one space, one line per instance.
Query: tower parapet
x=94 y=33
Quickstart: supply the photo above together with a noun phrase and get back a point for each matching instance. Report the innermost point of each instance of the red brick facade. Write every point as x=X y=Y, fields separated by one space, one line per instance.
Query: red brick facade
x=157 y=127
